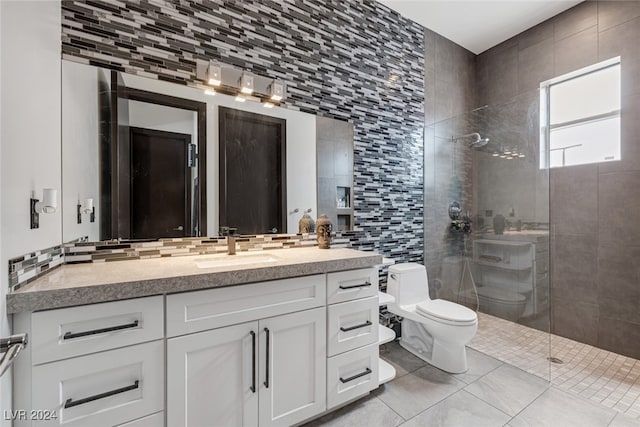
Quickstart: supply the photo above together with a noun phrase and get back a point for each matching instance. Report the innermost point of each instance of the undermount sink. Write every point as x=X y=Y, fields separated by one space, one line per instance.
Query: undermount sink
x=232 y=260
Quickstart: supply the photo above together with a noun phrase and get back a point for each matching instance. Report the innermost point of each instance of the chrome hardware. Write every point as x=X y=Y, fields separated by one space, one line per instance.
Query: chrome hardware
x=178 y=228
x=11 y=347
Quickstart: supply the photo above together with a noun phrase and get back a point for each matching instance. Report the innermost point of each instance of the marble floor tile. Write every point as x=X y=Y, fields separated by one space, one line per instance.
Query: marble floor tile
x=479 y=365
x=508 y=389
x=413 y=393
x=403 y=361
x=559 y=408
x=368 y=411
x=460 y=409
x=622 y=420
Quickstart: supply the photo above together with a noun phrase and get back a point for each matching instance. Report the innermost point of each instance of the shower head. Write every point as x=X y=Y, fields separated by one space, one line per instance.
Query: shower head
x=478 y=141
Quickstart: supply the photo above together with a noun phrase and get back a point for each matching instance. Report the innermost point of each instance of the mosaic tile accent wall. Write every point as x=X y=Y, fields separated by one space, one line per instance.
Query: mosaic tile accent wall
x=354 y=60
x=27 y=268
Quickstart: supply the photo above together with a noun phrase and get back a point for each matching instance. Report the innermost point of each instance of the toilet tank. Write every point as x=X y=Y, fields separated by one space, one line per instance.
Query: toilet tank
x=408 y=283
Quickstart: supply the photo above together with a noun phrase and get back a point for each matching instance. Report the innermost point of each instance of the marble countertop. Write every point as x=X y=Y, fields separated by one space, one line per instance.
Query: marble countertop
x=78 y=284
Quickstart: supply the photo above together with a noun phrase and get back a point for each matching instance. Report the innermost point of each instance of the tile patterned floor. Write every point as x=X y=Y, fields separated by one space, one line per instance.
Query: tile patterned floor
x=601 y=376
x=506 y=385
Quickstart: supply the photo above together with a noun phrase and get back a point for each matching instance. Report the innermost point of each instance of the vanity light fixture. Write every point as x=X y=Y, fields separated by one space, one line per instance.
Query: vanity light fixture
x=48 y=205
x=521 y=155
x=246 y=83
x=214 y=74
x=276 y=90
x=495 y=154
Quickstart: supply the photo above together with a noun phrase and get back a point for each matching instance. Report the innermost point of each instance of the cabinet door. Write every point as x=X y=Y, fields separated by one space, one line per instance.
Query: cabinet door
x=212 y=378
x=293 y=357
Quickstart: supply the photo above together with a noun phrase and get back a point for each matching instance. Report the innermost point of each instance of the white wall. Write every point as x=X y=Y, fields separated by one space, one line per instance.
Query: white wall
x=161 y=117
x=29 y=134
x=301 y=149
x=80 y=133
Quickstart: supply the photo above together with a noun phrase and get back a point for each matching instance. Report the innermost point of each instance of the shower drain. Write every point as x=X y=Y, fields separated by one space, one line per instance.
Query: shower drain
x=555 y=360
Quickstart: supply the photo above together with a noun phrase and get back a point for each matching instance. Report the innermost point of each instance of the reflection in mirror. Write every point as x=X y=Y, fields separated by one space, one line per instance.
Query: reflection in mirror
x=334 y=140
x=102 y=109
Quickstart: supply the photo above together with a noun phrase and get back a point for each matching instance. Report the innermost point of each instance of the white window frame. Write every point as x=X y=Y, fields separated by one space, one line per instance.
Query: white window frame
x=545 y=113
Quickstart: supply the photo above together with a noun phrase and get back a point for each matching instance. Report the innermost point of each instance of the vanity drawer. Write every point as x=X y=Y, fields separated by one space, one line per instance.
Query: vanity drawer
x=68 y=332
x=351 y=374
x=352 y=324
x=155 y=420
x=102 y=389
x=348 y=285
x=214 y=308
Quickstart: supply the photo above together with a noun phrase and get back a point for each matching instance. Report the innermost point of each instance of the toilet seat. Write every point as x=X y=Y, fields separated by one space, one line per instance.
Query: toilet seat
x=446 y=312
x=503 y=296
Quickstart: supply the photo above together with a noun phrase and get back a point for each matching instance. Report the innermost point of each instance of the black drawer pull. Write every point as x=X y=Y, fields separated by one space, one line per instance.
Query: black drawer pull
x=362 y=285
x=361 y=374
x=253 y=362
x=351 y=328
x=266 y=377
x=70 y=403
x=70 y=335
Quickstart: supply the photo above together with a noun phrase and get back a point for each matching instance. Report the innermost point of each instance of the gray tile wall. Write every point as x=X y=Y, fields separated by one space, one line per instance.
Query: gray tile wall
x=354 y=60
x=593 y=208
x=449 y=92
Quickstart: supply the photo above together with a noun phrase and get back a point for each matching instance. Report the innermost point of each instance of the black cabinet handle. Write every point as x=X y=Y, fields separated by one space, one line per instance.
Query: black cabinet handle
x=70 y=403
x=362 y=285
x=71 y=335
x=253 y=362
x=266 y=379
x=351 y=328
x=361 y=374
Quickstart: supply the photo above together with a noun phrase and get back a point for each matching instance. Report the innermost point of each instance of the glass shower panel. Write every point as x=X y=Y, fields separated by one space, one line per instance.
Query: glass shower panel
x=500 y=266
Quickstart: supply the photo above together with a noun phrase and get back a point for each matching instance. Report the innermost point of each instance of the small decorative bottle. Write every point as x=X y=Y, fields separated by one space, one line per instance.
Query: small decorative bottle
x=323 y=231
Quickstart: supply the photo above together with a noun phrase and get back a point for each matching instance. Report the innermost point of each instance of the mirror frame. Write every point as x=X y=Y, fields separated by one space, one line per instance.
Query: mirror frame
x=169 y=101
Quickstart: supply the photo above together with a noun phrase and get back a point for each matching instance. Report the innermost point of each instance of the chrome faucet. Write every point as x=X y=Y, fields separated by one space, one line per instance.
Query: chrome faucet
x=231 y=245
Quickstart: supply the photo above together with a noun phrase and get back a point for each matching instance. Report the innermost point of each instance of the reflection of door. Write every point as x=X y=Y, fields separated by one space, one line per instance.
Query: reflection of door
x=160 y=184
x=252 y=172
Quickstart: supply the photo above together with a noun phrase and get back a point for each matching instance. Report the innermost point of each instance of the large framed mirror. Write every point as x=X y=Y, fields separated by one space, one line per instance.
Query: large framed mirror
x=163 y=180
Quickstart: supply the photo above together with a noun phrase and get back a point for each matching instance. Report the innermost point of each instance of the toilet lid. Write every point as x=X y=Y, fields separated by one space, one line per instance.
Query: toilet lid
x=447 y=310
x=499 y=294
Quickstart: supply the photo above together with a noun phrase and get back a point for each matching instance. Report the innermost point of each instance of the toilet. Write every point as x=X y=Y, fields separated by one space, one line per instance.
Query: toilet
x=504 y=303
x=434 y=330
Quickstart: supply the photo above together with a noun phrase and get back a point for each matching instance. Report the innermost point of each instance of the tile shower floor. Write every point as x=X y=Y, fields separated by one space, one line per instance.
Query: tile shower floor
x=601 y=376
x=506 y=385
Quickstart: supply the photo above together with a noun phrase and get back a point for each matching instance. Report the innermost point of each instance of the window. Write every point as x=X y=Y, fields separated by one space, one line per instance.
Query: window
x=581 y=116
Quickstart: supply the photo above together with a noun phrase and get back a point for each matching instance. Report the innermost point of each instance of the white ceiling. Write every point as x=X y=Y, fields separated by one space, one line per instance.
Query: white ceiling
x=478 y=25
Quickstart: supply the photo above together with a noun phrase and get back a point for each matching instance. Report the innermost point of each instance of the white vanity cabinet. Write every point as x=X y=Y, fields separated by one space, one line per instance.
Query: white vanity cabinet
x=352 y=335
x=96 y=365
x=269 y=371
x=267 y=354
